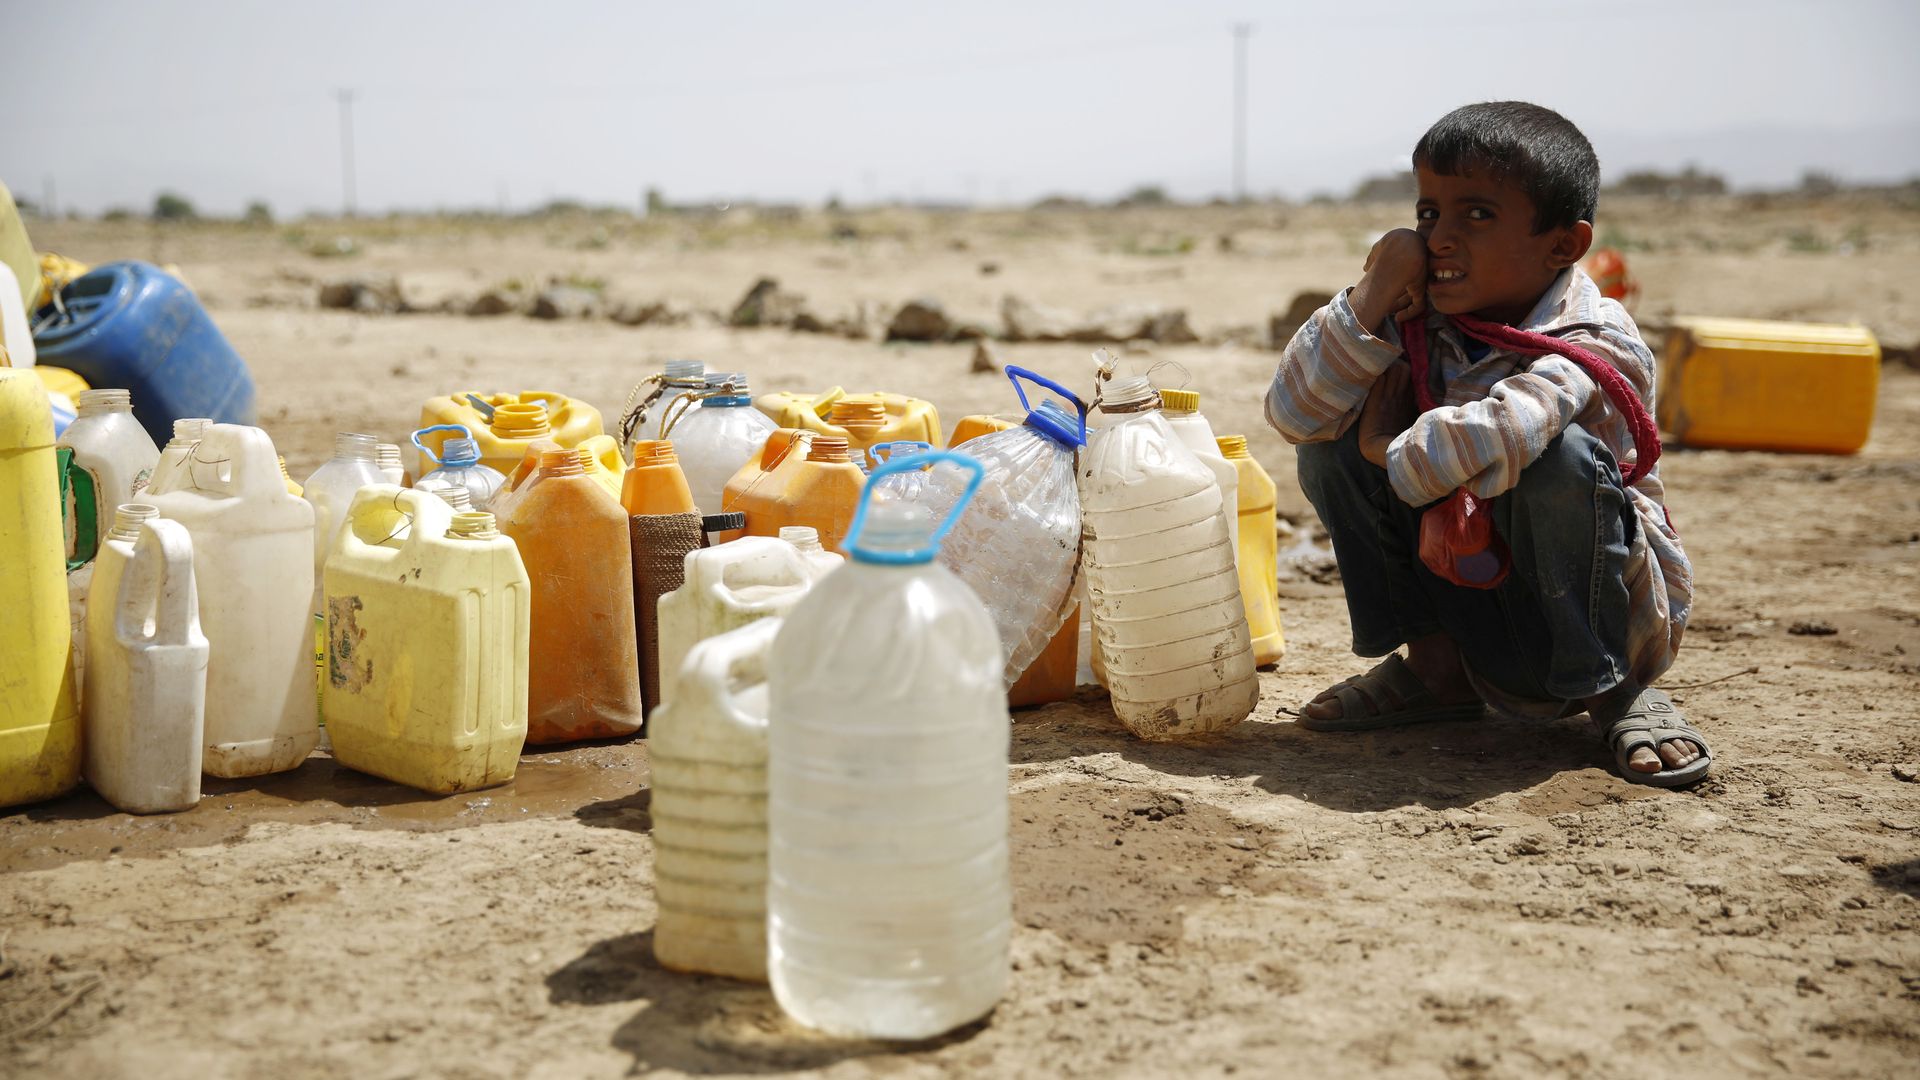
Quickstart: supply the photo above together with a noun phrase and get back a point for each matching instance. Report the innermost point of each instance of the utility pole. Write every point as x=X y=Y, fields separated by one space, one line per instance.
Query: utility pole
x=346 y=150
x=1241 y=31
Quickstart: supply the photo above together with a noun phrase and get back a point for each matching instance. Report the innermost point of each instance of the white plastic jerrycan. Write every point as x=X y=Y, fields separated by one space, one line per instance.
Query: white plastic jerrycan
x=253 y=563
x=428 y=615
x=708 y=749
x=1171 y=627
x=739 y=582
x=888 y=900
x=1182 y=410
x=171 y=471
x=147 y=684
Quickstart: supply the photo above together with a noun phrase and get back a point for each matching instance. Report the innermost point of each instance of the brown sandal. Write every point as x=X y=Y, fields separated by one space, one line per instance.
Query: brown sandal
x=1362 y=696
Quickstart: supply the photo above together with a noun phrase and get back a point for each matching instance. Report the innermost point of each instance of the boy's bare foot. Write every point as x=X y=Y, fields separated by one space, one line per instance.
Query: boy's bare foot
x=1433 y=660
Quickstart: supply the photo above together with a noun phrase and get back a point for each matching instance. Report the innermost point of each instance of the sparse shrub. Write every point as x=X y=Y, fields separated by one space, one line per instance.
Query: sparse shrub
x=168 y=206
x=258 y=213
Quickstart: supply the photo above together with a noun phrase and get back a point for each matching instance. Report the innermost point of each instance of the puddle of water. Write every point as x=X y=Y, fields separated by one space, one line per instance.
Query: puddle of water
x=547 y=783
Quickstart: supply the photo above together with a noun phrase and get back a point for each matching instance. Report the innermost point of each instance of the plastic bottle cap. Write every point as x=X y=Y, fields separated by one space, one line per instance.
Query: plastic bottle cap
x=1180 y=400
x=858 y=413
x=1232 y=446
x=1053 y=420
x=828 y=448
x=684 y=370
x=561 y=463
x=727 y=522
x=742 y=395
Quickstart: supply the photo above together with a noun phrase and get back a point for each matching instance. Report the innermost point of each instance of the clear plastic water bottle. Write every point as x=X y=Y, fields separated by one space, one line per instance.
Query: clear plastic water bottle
x=888 y=902
x=1018 y=544
x=330 y=491
x=458 y=465
x=717 y=436
x=1170 y=626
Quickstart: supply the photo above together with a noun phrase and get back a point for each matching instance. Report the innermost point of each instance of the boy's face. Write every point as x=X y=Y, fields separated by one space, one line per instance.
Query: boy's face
x=1483 y=257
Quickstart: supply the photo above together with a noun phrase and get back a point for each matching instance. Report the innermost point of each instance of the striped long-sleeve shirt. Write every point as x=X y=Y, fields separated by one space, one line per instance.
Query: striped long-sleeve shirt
x=1495 y=415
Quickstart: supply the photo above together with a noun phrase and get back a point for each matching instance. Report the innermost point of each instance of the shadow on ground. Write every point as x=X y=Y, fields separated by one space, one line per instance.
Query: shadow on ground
x=706 y=1024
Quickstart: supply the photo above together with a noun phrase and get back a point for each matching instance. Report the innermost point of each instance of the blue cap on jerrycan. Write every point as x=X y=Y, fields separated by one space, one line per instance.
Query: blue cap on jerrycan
x=902 y=533
x=739 y=392
x=1050 y=418
x=454 y=453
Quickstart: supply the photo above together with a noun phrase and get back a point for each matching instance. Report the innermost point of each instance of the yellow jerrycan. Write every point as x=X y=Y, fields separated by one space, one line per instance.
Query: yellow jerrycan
x=600 y=457
x=1259 y=560
x=427 y=630
x=899 y=418
x=39 y=723
x=504 y=424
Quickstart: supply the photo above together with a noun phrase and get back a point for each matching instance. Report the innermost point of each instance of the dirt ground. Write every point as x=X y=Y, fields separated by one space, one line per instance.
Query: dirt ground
x=1466 y=900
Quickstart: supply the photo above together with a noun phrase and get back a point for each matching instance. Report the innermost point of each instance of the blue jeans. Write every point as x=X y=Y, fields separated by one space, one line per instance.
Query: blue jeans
x=1555 y=630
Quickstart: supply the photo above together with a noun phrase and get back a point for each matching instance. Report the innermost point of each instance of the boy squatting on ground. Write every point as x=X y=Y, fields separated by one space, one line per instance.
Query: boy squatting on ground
x=1593 y=609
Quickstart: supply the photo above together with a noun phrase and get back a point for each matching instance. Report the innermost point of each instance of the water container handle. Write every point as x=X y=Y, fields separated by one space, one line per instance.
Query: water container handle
x=80 y=506
x=1015 y=374
x=253 y=466
x=481 y=406
x=159 y=583
x=900 y=465
x=422 y=515
x=717 y=664
x=465 y=433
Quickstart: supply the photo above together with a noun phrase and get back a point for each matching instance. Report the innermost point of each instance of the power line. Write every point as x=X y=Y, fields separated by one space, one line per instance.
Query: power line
x=346 y=150
x=1241 y=31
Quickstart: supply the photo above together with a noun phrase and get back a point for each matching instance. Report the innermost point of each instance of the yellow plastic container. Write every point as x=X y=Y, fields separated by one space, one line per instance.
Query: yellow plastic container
x=39 y=723
x=1745 y=384
x=905 y=417
x=601 y=458
x=1050 y=677
x=17 y=251
x=1259 y=556
x=427 y=632
x=655 y=485
x=60 y=380
x=515 y=423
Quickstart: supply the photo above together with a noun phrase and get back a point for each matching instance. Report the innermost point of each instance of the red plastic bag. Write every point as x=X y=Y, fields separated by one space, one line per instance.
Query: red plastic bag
x=1458 y=543
x=1457 y=538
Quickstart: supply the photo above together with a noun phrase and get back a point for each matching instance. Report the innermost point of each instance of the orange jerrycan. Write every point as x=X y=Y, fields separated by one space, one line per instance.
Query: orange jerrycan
x=1259 y=560
x=654 y=483
x=1745 y=384
x=603 y=462
x=39 y=722
x=754 y=483
x=427 y=632
x=506 y=424
x=583 y=666
x=1050 y=677
x=518 y=479
x=903 y=419
x=821 y=490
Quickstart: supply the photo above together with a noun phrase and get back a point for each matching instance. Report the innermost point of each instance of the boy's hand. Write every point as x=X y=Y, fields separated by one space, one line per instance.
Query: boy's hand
x=1393 y=283
x=1389 y=410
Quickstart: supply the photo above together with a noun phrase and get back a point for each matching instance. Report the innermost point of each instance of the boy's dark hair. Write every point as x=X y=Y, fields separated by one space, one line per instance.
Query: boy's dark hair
x=1534 y=147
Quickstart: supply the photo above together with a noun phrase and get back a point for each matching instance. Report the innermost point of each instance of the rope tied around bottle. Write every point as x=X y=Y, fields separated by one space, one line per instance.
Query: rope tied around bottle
x=633 y=414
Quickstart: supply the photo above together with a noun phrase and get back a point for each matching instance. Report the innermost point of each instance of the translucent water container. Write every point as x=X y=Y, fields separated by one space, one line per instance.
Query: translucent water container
x=1159 y=569
x=427 y=644
x=39 y=723
x=677 y=378
x=253 y=570
x=457 y=463
x=330 y=490
x=717 y=436
x=169 y=471
x=145 y=708
x=1259 y=560
x=888 y=899
x=708 y=751
x=726 y=587
x=583 y=677
x=1018 y=543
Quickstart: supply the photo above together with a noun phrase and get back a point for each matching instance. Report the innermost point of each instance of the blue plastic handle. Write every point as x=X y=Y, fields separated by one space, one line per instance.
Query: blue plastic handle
x=895 y=448
x=914 y=461
x=465 y=433
x=1015 y=374
x=485 y=410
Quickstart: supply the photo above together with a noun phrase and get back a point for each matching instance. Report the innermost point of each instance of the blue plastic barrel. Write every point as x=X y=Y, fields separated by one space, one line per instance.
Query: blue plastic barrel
x=132 y=326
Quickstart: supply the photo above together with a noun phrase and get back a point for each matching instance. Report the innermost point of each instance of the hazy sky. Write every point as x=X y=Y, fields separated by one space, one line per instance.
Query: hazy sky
x=482 y=104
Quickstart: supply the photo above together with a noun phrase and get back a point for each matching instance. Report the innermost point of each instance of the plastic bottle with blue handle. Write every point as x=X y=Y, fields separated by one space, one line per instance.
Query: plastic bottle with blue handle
x=458 y=465
x=888 y=903
x=1018 y=544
